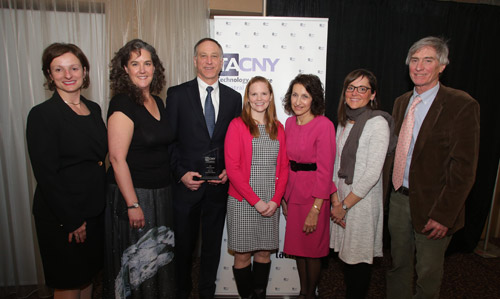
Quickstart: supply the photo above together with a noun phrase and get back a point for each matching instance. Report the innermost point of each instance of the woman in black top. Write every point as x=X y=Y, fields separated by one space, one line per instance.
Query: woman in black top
x=140 y=237
x=67 y=146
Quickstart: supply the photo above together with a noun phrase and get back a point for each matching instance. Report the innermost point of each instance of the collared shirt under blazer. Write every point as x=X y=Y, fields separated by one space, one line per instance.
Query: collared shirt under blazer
x=444 y=160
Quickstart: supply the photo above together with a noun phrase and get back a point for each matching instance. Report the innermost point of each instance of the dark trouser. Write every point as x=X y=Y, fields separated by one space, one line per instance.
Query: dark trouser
x=406 y=245
x=357 y=280
x=207 y=205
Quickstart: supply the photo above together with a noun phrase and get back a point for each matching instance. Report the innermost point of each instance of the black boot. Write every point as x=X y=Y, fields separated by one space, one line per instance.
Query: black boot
x=260 y=279
x=244 y=281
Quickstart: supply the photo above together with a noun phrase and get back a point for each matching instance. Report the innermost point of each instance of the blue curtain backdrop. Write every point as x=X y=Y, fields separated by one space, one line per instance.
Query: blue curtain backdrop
x=377 y=34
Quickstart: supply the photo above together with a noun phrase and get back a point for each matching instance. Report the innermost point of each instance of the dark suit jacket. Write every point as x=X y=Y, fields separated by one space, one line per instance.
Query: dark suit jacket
x=67 y=160
x=187 y=121
x=444 y=161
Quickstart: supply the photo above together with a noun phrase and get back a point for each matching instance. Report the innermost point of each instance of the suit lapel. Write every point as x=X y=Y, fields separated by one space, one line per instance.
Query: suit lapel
x=223 y=108
x=194 y=97
x=400 y=113
x=101 y=136
x=429 y=122
x=69 y=115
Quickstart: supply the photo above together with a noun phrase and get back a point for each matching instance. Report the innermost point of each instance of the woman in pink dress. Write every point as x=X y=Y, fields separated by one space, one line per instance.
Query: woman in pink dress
x=310 y=143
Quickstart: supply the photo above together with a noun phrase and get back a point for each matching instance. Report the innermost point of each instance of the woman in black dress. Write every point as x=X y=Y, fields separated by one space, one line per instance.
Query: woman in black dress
x=140 y=236
x=67 y=146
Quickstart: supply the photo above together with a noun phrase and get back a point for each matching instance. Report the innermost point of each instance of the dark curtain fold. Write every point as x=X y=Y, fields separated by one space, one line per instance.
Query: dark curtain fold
x=377 y=35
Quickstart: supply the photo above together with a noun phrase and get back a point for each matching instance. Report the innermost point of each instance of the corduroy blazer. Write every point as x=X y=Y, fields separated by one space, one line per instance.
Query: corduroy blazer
x=444 y=161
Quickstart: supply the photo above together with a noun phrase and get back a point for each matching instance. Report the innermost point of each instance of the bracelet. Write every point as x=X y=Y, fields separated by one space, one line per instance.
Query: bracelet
x=316 y=207
x=133 y=206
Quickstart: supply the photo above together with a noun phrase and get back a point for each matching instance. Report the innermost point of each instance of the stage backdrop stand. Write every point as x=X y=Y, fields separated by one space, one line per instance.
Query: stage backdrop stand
x=277 y=48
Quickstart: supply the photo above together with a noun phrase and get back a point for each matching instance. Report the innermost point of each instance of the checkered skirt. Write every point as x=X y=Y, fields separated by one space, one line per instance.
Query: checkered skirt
x=247 y=230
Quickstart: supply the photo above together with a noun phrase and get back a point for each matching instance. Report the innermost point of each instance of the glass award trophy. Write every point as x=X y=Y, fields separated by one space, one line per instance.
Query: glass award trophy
x=211 y=163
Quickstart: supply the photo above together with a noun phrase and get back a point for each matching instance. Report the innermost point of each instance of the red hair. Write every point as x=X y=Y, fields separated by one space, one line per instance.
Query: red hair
x=270 y=117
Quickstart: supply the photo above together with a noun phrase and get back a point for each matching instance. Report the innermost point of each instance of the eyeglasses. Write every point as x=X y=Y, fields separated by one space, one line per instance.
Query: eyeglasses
x=361 y=89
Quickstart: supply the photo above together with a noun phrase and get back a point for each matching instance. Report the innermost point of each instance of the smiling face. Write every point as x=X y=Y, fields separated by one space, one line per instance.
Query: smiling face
x=140 y=69
x=354 y=99
x=259 y=97
x=67 y=73
x=425 y=69
x=208 y=61
x=301 y=101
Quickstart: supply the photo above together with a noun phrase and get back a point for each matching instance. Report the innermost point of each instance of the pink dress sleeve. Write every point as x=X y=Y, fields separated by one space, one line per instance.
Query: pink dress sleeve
x=325 y=159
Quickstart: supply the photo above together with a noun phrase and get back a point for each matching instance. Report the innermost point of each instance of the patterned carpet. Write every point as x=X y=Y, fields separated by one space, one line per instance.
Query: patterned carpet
x=466 y=275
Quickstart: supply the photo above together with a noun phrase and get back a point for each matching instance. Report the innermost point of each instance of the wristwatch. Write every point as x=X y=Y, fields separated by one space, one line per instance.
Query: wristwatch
x=133 y=206
x=344 y=207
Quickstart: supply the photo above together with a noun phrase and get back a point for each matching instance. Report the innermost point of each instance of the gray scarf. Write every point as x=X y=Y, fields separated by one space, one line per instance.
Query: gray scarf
x=360 y=116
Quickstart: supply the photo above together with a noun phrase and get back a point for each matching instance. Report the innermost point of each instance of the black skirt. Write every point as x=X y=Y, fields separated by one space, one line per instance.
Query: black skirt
x=139 y=262
x=70 y=265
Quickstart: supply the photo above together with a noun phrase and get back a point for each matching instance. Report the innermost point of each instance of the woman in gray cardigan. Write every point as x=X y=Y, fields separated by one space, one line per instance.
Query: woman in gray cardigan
x=363 y=138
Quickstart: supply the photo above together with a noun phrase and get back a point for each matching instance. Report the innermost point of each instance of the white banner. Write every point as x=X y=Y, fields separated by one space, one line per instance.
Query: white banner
x=277 y=48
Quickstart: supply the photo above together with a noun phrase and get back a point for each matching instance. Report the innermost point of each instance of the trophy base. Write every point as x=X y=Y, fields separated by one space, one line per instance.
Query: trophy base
x=209 y=178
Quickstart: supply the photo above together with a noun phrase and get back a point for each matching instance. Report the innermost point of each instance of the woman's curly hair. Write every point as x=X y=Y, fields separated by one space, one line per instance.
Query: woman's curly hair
x=120 y=80
x=314 y=87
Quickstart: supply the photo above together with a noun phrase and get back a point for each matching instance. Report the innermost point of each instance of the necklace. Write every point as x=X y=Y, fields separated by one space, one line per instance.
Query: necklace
x=69 y=103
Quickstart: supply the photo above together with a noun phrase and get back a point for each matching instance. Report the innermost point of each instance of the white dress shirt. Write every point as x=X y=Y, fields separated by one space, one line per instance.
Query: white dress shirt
x=202 y=86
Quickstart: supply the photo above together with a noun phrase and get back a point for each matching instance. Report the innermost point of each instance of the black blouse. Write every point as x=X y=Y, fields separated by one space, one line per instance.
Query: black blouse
x=148 y=156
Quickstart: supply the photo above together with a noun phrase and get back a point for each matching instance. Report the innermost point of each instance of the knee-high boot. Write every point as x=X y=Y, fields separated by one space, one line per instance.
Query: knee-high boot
x=244 y=281
x=260 y=278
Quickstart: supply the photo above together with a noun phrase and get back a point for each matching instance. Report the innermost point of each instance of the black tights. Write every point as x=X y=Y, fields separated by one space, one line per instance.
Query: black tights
x=309 y=272
x=357 y=280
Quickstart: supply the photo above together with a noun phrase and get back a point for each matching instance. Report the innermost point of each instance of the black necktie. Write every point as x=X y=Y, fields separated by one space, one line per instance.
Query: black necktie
x=209 y=111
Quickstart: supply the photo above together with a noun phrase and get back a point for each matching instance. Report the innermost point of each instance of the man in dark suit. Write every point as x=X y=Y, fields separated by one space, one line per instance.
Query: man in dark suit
x=433 y=171
x=199 y=113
